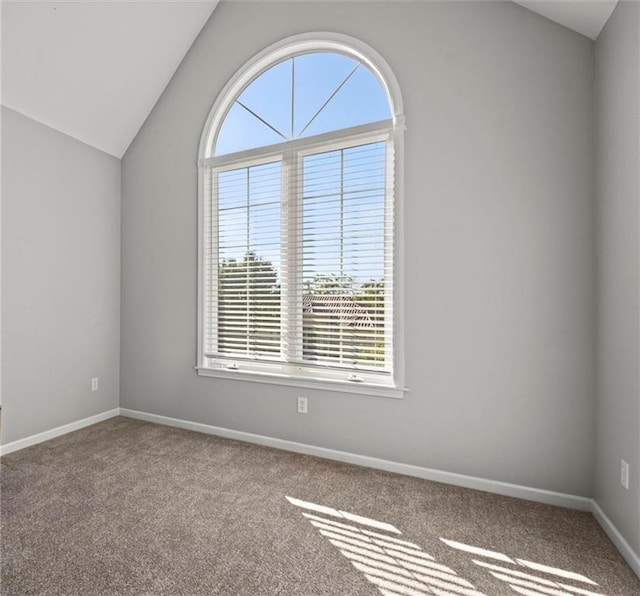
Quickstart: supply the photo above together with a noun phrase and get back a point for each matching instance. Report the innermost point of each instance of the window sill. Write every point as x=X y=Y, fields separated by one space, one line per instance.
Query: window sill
x=290 y=381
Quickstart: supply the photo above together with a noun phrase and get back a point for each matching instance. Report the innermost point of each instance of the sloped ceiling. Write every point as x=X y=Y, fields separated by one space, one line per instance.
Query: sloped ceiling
x=94 y=69
x=584 y=16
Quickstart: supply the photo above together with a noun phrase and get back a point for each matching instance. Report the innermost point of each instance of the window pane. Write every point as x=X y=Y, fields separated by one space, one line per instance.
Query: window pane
x=242 y=130
x=343 y=307
x=360 y=100
x=248 y=291
x=269 y=96
x=317 y=76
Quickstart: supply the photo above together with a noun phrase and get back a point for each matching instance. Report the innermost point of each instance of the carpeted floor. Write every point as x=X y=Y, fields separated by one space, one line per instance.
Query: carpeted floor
x=130 y=508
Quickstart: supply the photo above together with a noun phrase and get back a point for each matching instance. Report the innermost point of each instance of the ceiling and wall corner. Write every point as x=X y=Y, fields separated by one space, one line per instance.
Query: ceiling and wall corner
x=94 y=70
x=584 y=16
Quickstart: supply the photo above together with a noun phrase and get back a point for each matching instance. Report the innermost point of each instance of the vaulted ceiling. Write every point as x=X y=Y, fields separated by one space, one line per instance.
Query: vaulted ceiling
x=94 y=69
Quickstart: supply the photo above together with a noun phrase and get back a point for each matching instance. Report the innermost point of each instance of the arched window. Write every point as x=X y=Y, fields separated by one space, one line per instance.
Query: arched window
x=298 y=242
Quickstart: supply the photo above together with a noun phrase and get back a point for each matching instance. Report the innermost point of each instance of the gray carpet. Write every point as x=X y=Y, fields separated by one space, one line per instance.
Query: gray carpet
x=126 y=507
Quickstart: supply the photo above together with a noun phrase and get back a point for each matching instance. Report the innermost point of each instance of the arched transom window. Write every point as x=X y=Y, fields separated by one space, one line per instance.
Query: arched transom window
x=300 y=97
x=297 y=180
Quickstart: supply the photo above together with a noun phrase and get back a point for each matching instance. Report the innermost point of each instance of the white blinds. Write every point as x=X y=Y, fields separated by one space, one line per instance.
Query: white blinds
x=299 y=260
x=248 y=239
x=346 y=257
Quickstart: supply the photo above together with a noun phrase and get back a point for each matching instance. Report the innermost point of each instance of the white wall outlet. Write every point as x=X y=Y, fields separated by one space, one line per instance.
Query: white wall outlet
x=624 y=474
x=302 y=405
x=94 y=384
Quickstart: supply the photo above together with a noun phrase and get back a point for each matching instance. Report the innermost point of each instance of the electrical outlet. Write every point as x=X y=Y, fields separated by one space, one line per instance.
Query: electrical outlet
x=624 y=474
x=94 y=384
x=302 y=405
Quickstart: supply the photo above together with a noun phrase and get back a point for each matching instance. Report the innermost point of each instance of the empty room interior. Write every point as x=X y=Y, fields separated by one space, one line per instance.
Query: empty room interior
x=333 y=297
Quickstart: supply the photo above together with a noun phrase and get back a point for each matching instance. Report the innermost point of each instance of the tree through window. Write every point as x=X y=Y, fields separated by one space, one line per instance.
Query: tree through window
x=297 y=247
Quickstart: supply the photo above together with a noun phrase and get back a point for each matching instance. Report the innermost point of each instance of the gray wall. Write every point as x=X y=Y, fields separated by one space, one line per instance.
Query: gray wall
x=499 y=242
x=618 y=191
x=60 y=278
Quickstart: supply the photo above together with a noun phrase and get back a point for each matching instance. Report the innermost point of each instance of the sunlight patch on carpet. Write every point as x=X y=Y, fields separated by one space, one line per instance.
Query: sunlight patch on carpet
x=397 y=567
x=525 y=582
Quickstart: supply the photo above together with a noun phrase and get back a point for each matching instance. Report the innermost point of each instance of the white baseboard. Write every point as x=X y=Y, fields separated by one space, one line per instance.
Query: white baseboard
x=56 y=432
x=500 y=488
x=616 y=537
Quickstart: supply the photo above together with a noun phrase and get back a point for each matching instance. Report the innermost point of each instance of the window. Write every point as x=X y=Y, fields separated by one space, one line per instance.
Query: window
x=298 y=222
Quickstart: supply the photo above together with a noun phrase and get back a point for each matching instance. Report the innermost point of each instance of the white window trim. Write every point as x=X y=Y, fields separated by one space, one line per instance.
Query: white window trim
x=286 y=373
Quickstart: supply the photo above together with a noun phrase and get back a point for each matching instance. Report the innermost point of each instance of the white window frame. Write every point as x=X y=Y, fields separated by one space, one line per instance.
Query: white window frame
x=391 y=131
